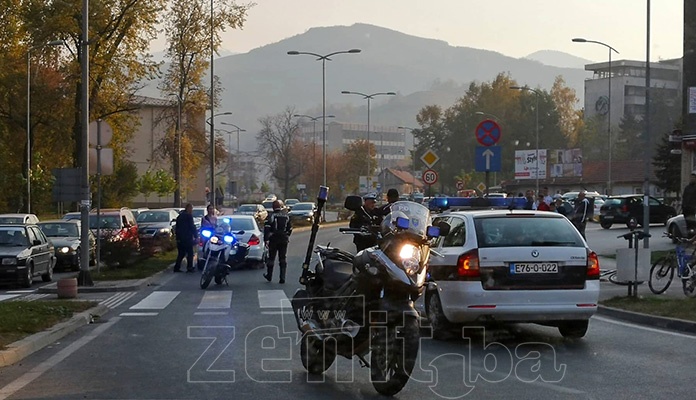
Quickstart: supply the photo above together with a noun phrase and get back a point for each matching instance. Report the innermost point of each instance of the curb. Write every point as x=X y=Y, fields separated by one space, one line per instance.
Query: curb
x=673 y=324
x=18 y=350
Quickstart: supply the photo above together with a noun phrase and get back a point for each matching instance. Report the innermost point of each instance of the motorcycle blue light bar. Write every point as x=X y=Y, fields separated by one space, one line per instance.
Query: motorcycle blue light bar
x=207 y=233
x=433 y=231
x=402 y=223
x=445 y=203
x=323 y=193
x=229 y=239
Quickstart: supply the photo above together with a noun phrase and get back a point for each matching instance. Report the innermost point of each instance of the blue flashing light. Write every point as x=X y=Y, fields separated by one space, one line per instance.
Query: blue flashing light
x=226 y=220
x=207 y=233
x=402 y=223
x=444 y=203
x=229 y=239
x=323 y=193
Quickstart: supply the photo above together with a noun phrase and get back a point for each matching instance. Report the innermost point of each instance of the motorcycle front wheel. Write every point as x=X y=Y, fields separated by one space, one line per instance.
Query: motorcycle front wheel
x=207 y=274
x=316 y=355
x=394 y=352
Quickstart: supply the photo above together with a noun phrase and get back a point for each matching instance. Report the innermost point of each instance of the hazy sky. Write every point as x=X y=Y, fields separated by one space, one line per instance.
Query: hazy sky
x=512 y=27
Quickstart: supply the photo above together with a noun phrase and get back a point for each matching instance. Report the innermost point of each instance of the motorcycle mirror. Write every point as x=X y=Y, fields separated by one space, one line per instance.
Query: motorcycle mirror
x=353 y=203
x=444 y=228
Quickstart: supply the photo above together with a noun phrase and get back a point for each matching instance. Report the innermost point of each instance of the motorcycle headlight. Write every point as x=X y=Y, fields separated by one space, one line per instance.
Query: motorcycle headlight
x=410 y=258
x=214 y=240
x=408 y=251
x=228 y=239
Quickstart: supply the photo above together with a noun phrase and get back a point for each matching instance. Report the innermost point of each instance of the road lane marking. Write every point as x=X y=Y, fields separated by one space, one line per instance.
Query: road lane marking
x=210 y=313
x=272 y=298
x=216 y=300
x=117 y=299
x=21 y=291
x=645 y=328
x=16 y=385
x=4 y=297
x=156 y=301
x=32 y=297
x=277 y=312
x=138 y=314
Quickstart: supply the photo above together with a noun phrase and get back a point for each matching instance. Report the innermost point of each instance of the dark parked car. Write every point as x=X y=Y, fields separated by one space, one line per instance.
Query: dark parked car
x=302 y=213
x=65 y=235
x=628 y=209
x=25 y=252
x=156 y=227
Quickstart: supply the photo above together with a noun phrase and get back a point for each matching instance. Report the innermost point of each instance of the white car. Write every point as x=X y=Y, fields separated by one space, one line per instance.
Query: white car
x=252 y=235
x=511 y=266
x=22 y=219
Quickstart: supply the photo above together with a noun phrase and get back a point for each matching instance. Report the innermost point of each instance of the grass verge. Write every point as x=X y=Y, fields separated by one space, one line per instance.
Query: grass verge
x=141 y=269
x=24 y=318
x=659 y=306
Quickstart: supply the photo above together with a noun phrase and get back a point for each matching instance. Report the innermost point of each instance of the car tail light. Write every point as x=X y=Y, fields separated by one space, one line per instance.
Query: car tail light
x=254 y=240
x=468 y=265
x=592 y=265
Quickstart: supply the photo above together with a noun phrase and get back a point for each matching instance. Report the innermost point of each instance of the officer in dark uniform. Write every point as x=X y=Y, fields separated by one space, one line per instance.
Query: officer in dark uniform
x=364 y=218
x=186 y=235
x=277 y=231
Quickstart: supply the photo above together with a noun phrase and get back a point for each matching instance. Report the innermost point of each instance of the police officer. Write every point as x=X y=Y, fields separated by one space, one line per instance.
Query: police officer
x=581 y=213
x=392 y=197
x=277 y=231
x=364 y=218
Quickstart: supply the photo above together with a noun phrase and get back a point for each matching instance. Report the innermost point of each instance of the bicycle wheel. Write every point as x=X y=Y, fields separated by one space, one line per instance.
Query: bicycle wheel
x=612 y=278
x=661 y=274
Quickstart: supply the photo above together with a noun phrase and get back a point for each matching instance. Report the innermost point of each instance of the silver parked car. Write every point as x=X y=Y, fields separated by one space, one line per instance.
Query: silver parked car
x=677 y=227
x=512 y=266
x=18 y=219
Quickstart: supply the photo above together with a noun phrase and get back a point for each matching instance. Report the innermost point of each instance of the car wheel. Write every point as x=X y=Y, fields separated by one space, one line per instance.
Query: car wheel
x=605 y=224
x=29 y=277
x=48 y=275
x=573 y=329
x=441 y=327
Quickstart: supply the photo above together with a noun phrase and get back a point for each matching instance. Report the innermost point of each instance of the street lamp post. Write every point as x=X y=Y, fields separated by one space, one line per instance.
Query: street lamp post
x=582 y=40
x=236 y=156
x=369 y=97
x=211 y=121
x=314 y=137
x=538 y=93
x=413 y=157
x=323 y=59
x=28 y=172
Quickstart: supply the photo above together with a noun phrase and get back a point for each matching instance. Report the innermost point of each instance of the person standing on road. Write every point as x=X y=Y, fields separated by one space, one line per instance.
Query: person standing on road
x=277 y=231
x=689 y=204
x=392 y=197
x=581 y=212
x=186 y=235
x=364 y=218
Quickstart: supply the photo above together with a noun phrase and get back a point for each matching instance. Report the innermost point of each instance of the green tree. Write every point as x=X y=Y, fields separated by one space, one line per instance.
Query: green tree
x=667 y=167
x=119 y=188
x=265 y=187
x=187 y=29
x=164 y=183
x=147 y=185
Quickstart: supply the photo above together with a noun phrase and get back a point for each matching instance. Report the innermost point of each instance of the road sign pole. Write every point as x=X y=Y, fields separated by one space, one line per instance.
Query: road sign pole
x=487 y=182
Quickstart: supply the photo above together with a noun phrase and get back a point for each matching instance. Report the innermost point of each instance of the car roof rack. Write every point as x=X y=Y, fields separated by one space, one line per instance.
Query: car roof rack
x=439 y=204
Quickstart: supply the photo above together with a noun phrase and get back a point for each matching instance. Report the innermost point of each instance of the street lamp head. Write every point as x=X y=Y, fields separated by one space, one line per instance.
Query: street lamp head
x=579 y=40
x=391 y=94
x=330 y=116
x=293 y=53
x=354 y=51
x=479 y=113
x=516 y=87
x=56 y=43
x=346 y=92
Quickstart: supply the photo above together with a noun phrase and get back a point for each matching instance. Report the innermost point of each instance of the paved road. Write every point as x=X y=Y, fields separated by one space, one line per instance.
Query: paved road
x=174 y=340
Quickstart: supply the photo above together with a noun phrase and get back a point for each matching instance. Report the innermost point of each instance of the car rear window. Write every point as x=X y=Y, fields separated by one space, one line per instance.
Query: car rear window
x=612 y=202
x=198 y=212
x=247 y=208
x=241 y=224
x=513 y=231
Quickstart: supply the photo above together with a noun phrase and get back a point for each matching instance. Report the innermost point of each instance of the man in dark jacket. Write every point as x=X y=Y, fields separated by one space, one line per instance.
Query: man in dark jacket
x=382 y=212
x=689 y=204
x=581 y=213
x=277 y=231
x=364 y=218
x=186 y=235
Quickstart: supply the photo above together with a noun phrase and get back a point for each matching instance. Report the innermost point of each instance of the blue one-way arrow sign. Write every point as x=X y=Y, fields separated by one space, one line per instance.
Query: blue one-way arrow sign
x=488 y=159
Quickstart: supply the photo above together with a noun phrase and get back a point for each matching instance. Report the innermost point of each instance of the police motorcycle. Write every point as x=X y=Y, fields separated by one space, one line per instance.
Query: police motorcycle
x=355 y=305
x=221 y=252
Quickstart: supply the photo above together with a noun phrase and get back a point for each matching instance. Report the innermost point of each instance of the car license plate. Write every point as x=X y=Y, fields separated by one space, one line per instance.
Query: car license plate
x=533 y=268
x=608 y=217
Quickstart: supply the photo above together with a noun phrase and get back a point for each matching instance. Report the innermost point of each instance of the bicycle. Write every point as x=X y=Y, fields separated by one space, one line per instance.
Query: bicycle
x=662 y=271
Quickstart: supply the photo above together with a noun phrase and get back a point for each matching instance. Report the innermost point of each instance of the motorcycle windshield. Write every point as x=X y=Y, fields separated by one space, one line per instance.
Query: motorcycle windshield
x=417 y=214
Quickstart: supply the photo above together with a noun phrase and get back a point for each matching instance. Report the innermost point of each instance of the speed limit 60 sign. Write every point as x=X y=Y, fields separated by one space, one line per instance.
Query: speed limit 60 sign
x=429 y=176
